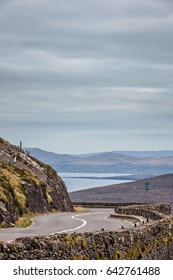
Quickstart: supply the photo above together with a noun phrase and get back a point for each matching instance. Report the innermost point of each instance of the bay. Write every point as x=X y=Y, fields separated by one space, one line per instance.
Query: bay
x=80 y=181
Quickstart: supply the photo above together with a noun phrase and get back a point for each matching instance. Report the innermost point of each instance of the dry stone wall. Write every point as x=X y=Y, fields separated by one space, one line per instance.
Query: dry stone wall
x=151 y=240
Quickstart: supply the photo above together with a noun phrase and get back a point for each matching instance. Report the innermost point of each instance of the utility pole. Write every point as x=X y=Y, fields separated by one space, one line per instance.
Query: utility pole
x=20 y=145
x=147 y=187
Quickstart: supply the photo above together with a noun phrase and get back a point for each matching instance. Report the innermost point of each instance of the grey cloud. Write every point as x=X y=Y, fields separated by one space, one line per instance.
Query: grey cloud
x=70 y=41
x=89 y=104
x=91 y=66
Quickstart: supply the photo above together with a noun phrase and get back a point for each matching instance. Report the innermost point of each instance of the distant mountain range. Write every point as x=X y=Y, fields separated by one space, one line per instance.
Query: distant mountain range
x=132 y=162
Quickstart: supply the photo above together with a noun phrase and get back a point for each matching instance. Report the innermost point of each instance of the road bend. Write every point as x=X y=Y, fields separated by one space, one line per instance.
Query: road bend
x=94 y=220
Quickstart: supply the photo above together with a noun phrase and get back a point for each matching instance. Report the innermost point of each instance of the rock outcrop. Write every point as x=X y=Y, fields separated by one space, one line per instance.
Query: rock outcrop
x=28 y=185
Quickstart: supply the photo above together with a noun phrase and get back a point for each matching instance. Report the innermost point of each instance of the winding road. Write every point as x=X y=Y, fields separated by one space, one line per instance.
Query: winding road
x=95 y=220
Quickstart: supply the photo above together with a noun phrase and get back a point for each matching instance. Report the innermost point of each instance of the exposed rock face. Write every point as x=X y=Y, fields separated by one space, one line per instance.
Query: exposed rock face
x=27 y=184
x=8 y=215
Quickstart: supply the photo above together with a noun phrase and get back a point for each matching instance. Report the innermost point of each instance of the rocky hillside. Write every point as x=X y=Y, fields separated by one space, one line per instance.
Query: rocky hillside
x=28 y=185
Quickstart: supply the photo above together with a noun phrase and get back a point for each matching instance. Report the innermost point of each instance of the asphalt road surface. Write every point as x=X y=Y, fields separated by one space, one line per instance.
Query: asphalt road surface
x=92 y=221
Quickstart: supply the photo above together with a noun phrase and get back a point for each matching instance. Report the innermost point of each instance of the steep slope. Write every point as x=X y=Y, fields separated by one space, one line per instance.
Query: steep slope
x=27 y=184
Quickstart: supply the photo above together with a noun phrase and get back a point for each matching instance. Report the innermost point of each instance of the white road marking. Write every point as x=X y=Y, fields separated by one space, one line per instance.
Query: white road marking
x=83 y=221
x=75 y=217
x=82 y=225
x=106 y=217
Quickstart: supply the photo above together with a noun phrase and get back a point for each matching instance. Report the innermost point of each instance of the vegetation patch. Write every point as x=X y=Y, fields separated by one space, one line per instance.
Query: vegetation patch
x=26 y=220
x=12 y=191
x=80 y=257
x=80 y=209
x=137 y=252
x=48 y=194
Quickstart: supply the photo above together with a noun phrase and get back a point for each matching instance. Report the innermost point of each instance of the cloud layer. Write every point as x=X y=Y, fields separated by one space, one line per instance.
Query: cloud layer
x=78 y=76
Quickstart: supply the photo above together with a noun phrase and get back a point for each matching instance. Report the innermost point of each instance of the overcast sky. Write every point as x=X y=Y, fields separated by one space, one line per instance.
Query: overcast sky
x=81 y=76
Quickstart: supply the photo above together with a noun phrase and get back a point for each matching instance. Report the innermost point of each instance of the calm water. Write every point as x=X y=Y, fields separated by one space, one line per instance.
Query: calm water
x=74 y=181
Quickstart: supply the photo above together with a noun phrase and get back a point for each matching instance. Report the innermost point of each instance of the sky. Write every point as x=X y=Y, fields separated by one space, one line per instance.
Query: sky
x=81 y=76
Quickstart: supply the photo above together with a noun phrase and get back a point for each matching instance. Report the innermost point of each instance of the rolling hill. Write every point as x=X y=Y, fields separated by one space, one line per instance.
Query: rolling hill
x=154 y=163
x=161 y=191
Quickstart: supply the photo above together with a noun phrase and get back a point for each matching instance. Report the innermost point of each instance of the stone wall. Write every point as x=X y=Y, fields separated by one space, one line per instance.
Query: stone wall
x=152 y=240
x=153 y=211
x=103 y=204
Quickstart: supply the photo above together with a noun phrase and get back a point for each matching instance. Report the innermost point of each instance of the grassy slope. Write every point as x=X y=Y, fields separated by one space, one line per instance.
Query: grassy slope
x=11 y=189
